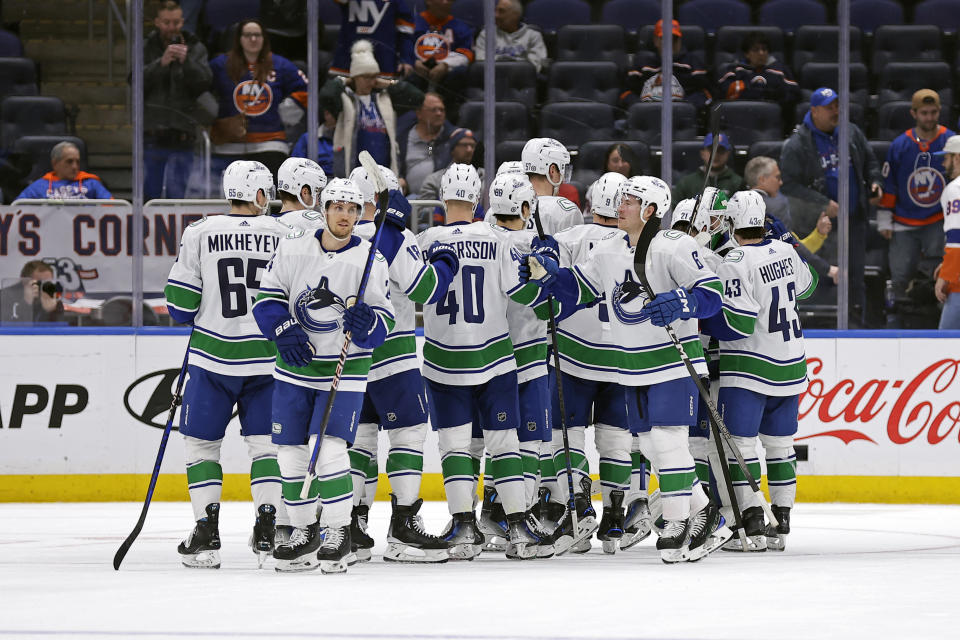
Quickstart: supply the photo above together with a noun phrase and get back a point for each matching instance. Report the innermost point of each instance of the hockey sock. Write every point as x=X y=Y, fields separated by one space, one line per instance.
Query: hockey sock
x=639 y=469
x=781 y=469
x=405 y=462
x=264 y=473
x=457 y=466
x=204 y=474
x=748 y=449
x=293 y=460
x=578 y=460
x=507 y=468
x=334 y=484
x=476 y=453
x=668 y=452
x=613 y=447
x=363 y=460
x=530 y=459
x=548 y=468
x=699 y=451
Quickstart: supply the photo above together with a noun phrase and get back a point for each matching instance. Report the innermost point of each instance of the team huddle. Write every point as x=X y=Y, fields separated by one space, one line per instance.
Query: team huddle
x=537 y=325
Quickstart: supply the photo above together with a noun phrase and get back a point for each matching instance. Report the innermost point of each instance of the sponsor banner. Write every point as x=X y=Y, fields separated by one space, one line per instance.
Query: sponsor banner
x=90 y=245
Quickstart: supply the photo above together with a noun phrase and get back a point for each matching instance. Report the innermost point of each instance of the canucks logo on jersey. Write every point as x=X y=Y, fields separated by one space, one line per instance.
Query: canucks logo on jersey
x=320 y=310
x=628 y=293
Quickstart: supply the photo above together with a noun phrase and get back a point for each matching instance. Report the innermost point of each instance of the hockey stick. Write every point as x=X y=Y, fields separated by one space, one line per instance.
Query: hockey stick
x=552 y=326
x=177 y=396
x=383 y=198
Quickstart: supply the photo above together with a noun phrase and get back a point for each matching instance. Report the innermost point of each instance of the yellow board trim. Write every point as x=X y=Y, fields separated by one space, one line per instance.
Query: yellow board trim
x=236 y=486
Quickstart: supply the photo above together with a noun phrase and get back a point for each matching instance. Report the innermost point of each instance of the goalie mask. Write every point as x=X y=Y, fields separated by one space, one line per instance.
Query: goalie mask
x=508 y=194
x=461 y=182
x=603 y=195
x=367 y=187
x=296 y=173
x=745 y=210
x=648 y=190
x=539 y=154
x=243 y=179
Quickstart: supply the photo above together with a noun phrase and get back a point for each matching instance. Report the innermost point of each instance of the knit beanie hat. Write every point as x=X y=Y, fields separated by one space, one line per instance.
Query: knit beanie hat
x=362 y=61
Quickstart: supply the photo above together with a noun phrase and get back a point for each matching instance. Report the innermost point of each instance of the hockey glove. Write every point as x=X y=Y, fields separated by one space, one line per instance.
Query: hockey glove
x=669 y=306
x=547 y=244
x=539 y=267
x=293 y=344
x=361 y=322
x=398 y=210
x=775 y=229
x=443 y=253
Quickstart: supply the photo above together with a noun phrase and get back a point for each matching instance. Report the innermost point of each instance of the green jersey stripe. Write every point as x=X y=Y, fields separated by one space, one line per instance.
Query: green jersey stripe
x=425 y=287
x=181 y=297
x=322 y=370
x=530 y=354
x=743 y=363
x=247 y=349
x=656 y=358
x=467 y=358
x=395 y=346
x=742 y=324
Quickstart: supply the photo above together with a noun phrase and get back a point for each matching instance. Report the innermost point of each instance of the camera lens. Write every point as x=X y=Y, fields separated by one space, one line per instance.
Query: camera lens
x=51 y=288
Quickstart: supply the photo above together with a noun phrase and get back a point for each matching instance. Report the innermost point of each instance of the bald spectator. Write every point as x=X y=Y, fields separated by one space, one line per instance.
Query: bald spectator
x=515 y=41
x=66 y=181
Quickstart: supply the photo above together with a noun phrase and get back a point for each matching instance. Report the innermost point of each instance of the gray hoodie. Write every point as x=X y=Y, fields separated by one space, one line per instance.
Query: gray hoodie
x=526 y=43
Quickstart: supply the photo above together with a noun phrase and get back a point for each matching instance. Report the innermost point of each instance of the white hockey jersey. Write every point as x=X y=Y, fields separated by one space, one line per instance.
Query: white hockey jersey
x=315 y=286
x=306 y=219
x=584 y=339
x=556 y=214
x=528 y=333
x=217 y=275
x=646 y=355
x=467 y=339
x=762 y=283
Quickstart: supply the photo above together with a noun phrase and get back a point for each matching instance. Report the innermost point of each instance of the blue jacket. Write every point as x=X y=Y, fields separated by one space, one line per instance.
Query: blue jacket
x=49 y=187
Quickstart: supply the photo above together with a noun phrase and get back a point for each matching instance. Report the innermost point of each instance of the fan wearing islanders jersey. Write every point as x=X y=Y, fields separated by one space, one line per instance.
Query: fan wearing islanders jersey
x=443 y=45
x=387 y=24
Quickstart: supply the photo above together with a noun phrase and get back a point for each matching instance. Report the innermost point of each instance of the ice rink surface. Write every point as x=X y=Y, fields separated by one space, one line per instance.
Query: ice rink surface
x=850 y=571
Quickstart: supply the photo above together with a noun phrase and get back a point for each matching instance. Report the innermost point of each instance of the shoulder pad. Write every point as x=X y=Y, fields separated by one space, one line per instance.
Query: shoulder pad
x=197 y=223
x=734 y=255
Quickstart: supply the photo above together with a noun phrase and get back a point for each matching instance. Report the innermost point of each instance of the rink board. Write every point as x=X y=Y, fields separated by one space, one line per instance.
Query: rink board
x=81 y=415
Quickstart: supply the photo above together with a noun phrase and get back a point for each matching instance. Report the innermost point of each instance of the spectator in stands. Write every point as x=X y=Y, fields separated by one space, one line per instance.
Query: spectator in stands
x=947 y=287
x=443 y=48
x=721 y=175
x=175 y=74
x=515 y=40
x=324 y=144
x=388 y=27
x=690 y=81
x=259 y=93
x=35 y=298
x=763 y=176
x=66 y=181
x=424 y=143
x=759 y=75
x=620 y=158
x=810 y=160
x=910 y=215
x=463 y=144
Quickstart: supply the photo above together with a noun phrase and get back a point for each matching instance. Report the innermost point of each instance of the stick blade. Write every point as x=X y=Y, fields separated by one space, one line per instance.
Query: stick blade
x=373 y=170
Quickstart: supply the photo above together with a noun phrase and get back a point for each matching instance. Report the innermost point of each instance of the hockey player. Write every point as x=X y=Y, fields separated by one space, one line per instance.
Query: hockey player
x=547 y=164
x=217 y=274
x=661 y=400
x=303 y=307
x=470 y=368
x=300 y=182
x=396 y=400
x=763 y=367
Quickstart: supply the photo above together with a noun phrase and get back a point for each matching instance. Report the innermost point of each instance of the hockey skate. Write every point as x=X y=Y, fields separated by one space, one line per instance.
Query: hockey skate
x=637 y=525
x=463 y=538
x=493 y=522
x=361 y=544
x=406 y=539
x=673 y=542
x=334 y=550
x=300 y=552
x=522 y=541
x=777 y=535
x=564 y=538
x=544 y=547
x=262 y=540
x=611 y=524
x=754 y=529
x=201 y=549
x=708 y=532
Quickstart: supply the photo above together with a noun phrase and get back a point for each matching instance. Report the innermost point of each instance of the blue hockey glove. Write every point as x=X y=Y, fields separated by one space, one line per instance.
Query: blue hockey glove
x=292 y=343
x=669 y=306
x=539 y=267
x=775 y=229
x=444 y=253
x=361 y=321
x=548 y=244
x=398 y=210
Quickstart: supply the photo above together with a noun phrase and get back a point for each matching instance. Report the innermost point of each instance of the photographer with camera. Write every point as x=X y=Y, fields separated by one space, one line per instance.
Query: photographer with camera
x=36 y=298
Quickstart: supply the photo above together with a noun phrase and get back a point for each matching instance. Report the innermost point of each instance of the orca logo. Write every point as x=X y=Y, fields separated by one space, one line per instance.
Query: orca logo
x=152 y=395
x=624 y=294
x=320 y=310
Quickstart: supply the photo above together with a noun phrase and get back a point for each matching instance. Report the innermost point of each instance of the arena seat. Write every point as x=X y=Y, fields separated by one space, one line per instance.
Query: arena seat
x=790 y=15
x=37 y=149
x=576 y=123
x=592 y=43
x=584 y=81
x=643 y=122
x=18 y=77
x=747 y=121
x=867 y=15
x=31 y=116
x=515 y=81
x=512 y=118
x=899 y=80
x=630 y=14
x=906 y=43
x=821 y=43
x=551 y=15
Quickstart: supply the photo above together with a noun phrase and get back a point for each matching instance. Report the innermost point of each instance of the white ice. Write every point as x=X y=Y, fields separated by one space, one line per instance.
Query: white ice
x=850 y=571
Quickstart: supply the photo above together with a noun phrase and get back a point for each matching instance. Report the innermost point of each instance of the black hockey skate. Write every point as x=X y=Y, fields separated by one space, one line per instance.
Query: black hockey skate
x=611 y=524
x=777 y=535
x=201 y=549
x=263 y=538
x=708 y=532
x=636 y=525
x=754 y=528
x=493 y=522
x=462 y=536
x=672 y=543
x=406 y=539
x=564 y=538
x=361 y=544
x=522 y=541
x=586 y=517
x=543 y=546
x=335 y=549
x=299 y=553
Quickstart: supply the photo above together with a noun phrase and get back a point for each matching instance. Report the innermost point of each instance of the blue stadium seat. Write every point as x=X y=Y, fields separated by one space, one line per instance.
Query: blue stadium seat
x=219 y=15
x=576 y=123
x=18 y=77
x=630 y=14
x=943 y=13
x=870 y=14
x=592 y=42
x=713 y=14
x=747 y=121
x=10 y=45
x=31 y=116
x=584 y=82
x=470 y=11
x=821 y=43
x=550 y=15
x=789 y=15
x=906 y=43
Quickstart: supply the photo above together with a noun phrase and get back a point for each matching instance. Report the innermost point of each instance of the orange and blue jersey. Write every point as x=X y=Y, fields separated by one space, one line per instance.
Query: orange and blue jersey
x=950 y=269
x=387 y=24
x=913 y=178
x=448 y=40
x=50 y=187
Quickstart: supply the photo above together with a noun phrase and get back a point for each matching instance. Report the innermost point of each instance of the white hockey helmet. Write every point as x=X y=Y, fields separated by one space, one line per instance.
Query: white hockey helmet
x=713 y=210
x=461 y=182
x=510 y=166
x=296 y=173
x=242 y=179
x=683 y=211
x=603 y=195
x=745 y=210
x=540 y=153
x=341 y=190
x=509 y=192
x=648 y=190
x=366 y=185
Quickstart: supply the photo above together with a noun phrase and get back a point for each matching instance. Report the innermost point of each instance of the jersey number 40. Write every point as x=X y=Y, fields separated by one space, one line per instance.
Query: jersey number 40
x=471 y=278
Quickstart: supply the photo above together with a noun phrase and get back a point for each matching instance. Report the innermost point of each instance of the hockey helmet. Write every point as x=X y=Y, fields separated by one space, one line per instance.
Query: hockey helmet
x=461 y=182
x=341 y=190
x=296 y=173
x=367 y=187
x=648 y=190
x=509 y=192
x=603 y=195
x=745 y=210
x=540 y=153
x=244 y=178
x=510 y=166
